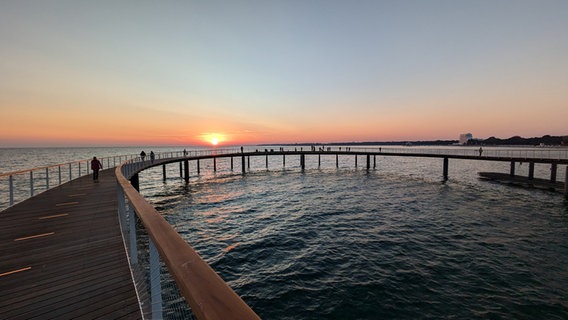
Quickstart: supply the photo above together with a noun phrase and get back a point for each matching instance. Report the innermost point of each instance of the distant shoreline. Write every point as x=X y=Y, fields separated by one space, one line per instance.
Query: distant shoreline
x=546 y=140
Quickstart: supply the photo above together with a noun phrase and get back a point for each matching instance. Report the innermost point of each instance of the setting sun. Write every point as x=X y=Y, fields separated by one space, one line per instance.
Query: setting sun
x=213 y=138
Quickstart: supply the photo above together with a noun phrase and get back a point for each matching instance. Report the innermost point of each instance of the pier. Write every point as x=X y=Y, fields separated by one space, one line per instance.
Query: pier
x=63 y=256
x=71 y=251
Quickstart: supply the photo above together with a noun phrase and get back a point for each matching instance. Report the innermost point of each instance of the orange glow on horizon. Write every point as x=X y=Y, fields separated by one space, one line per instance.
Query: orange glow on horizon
x=213 y=138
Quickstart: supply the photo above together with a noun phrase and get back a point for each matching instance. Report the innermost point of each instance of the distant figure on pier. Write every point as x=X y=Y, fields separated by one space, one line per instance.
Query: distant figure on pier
x=184 y=152
x=96 y=165
x=152 y=156
x=143 y=155
x=242 y=149
x=480 y=151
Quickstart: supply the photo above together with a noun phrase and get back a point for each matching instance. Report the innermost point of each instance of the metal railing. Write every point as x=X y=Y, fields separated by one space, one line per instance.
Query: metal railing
x=17 y=186
x=208 y=296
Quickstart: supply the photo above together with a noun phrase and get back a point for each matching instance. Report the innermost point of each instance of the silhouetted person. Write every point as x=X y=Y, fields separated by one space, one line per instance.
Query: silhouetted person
x=152 y=156
x=480 y=151
x=96 y=165
x=143 y=155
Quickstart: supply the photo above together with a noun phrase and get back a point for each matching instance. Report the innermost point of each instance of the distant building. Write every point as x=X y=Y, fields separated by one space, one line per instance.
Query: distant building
x=465 y=137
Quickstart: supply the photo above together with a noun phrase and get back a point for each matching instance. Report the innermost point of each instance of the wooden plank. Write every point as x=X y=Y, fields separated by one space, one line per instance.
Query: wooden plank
x=77 y=264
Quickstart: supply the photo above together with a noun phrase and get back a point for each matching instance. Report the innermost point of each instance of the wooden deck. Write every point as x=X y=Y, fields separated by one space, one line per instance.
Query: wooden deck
x=62 y=255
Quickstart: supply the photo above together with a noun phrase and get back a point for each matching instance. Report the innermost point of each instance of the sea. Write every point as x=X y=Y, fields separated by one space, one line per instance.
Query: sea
x=345 y=242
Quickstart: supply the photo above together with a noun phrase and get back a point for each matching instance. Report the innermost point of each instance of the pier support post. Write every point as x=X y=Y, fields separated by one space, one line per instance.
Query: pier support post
x=180 y=170
x=337 y=161
x=303 y=161
x=231 y=163
x=186 y=170
x=319 y=161
x=355 y=161
x=446 y=162
x=374 y=161
x=368 y=161
x=553 y=171
x=512 y=173
x=135 y=182
x=198 y=168
x=566 y=184
x=214 y=164
x=243 y=163
x=283 y=161
x=267 y=161
x=248 y=162
x=531 y=170
x=164 y=172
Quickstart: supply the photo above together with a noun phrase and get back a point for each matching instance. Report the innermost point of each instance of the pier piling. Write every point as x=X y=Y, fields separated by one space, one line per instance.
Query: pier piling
x=531 y=170
x=512 y=172
x=446 y=163
x=553 y=171
x=186 y=170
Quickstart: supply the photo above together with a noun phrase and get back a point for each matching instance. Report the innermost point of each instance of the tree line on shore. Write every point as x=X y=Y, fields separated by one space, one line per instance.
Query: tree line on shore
x=547 y=140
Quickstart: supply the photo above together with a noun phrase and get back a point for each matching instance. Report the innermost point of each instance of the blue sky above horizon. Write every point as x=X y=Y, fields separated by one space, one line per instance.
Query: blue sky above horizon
x=172 y=72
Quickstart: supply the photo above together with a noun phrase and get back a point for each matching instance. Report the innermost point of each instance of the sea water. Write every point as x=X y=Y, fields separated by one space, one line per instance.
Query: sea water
x=392 y=242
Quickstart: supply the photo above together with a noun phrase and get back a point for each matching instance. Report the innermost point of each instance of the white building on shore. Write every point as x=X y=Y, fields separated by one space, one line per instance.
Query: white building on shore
x=465 y=137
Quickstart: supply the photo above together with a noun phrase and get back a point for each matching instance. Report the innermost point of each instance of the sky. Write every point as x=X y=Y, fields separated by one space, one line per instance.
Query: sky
x=111 y=73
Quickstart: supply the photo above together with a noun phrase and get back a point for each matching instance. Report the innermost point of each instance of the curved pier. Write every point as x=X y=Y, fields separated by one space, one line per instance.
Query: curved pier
x=64 y=256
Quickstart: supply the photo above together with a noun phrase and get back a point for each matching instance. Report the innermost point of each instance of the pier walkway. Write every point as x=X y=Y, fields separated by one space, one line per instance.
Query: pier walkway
x=62 y=255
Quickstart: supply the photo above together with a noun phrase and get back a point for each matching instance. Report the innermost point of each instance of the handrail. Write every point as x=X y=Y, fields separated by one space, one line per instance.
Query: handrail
x=207 y=294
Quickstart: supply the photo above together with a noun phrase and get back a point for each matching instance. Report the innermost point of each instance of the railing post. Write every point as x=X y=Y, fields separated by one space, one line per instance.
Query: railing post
x=11 y=190
x=155 y=283
x=132 y=232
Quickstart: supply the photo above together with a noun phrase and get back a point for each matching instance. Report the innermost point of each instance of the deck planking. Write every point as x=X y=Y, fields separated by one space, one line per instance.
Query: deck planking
x=68 y=244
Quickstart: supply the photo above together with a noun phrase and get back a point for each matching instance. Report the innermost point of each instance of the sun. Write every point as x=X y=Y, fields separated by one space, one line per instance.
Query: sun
x=214 y=141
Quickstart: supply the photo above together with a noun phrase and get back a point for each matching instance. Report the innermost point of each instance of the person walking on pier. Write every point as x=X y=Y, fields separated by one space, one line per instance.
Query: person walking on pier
x=143 y=155
x=480 y=151
x=96 y=165
x=152 y=156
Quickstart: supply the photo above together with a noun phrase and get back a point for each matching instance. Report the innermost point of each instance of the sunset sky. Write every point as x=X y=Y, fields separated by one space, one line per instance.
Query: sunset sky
x=81 y=73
